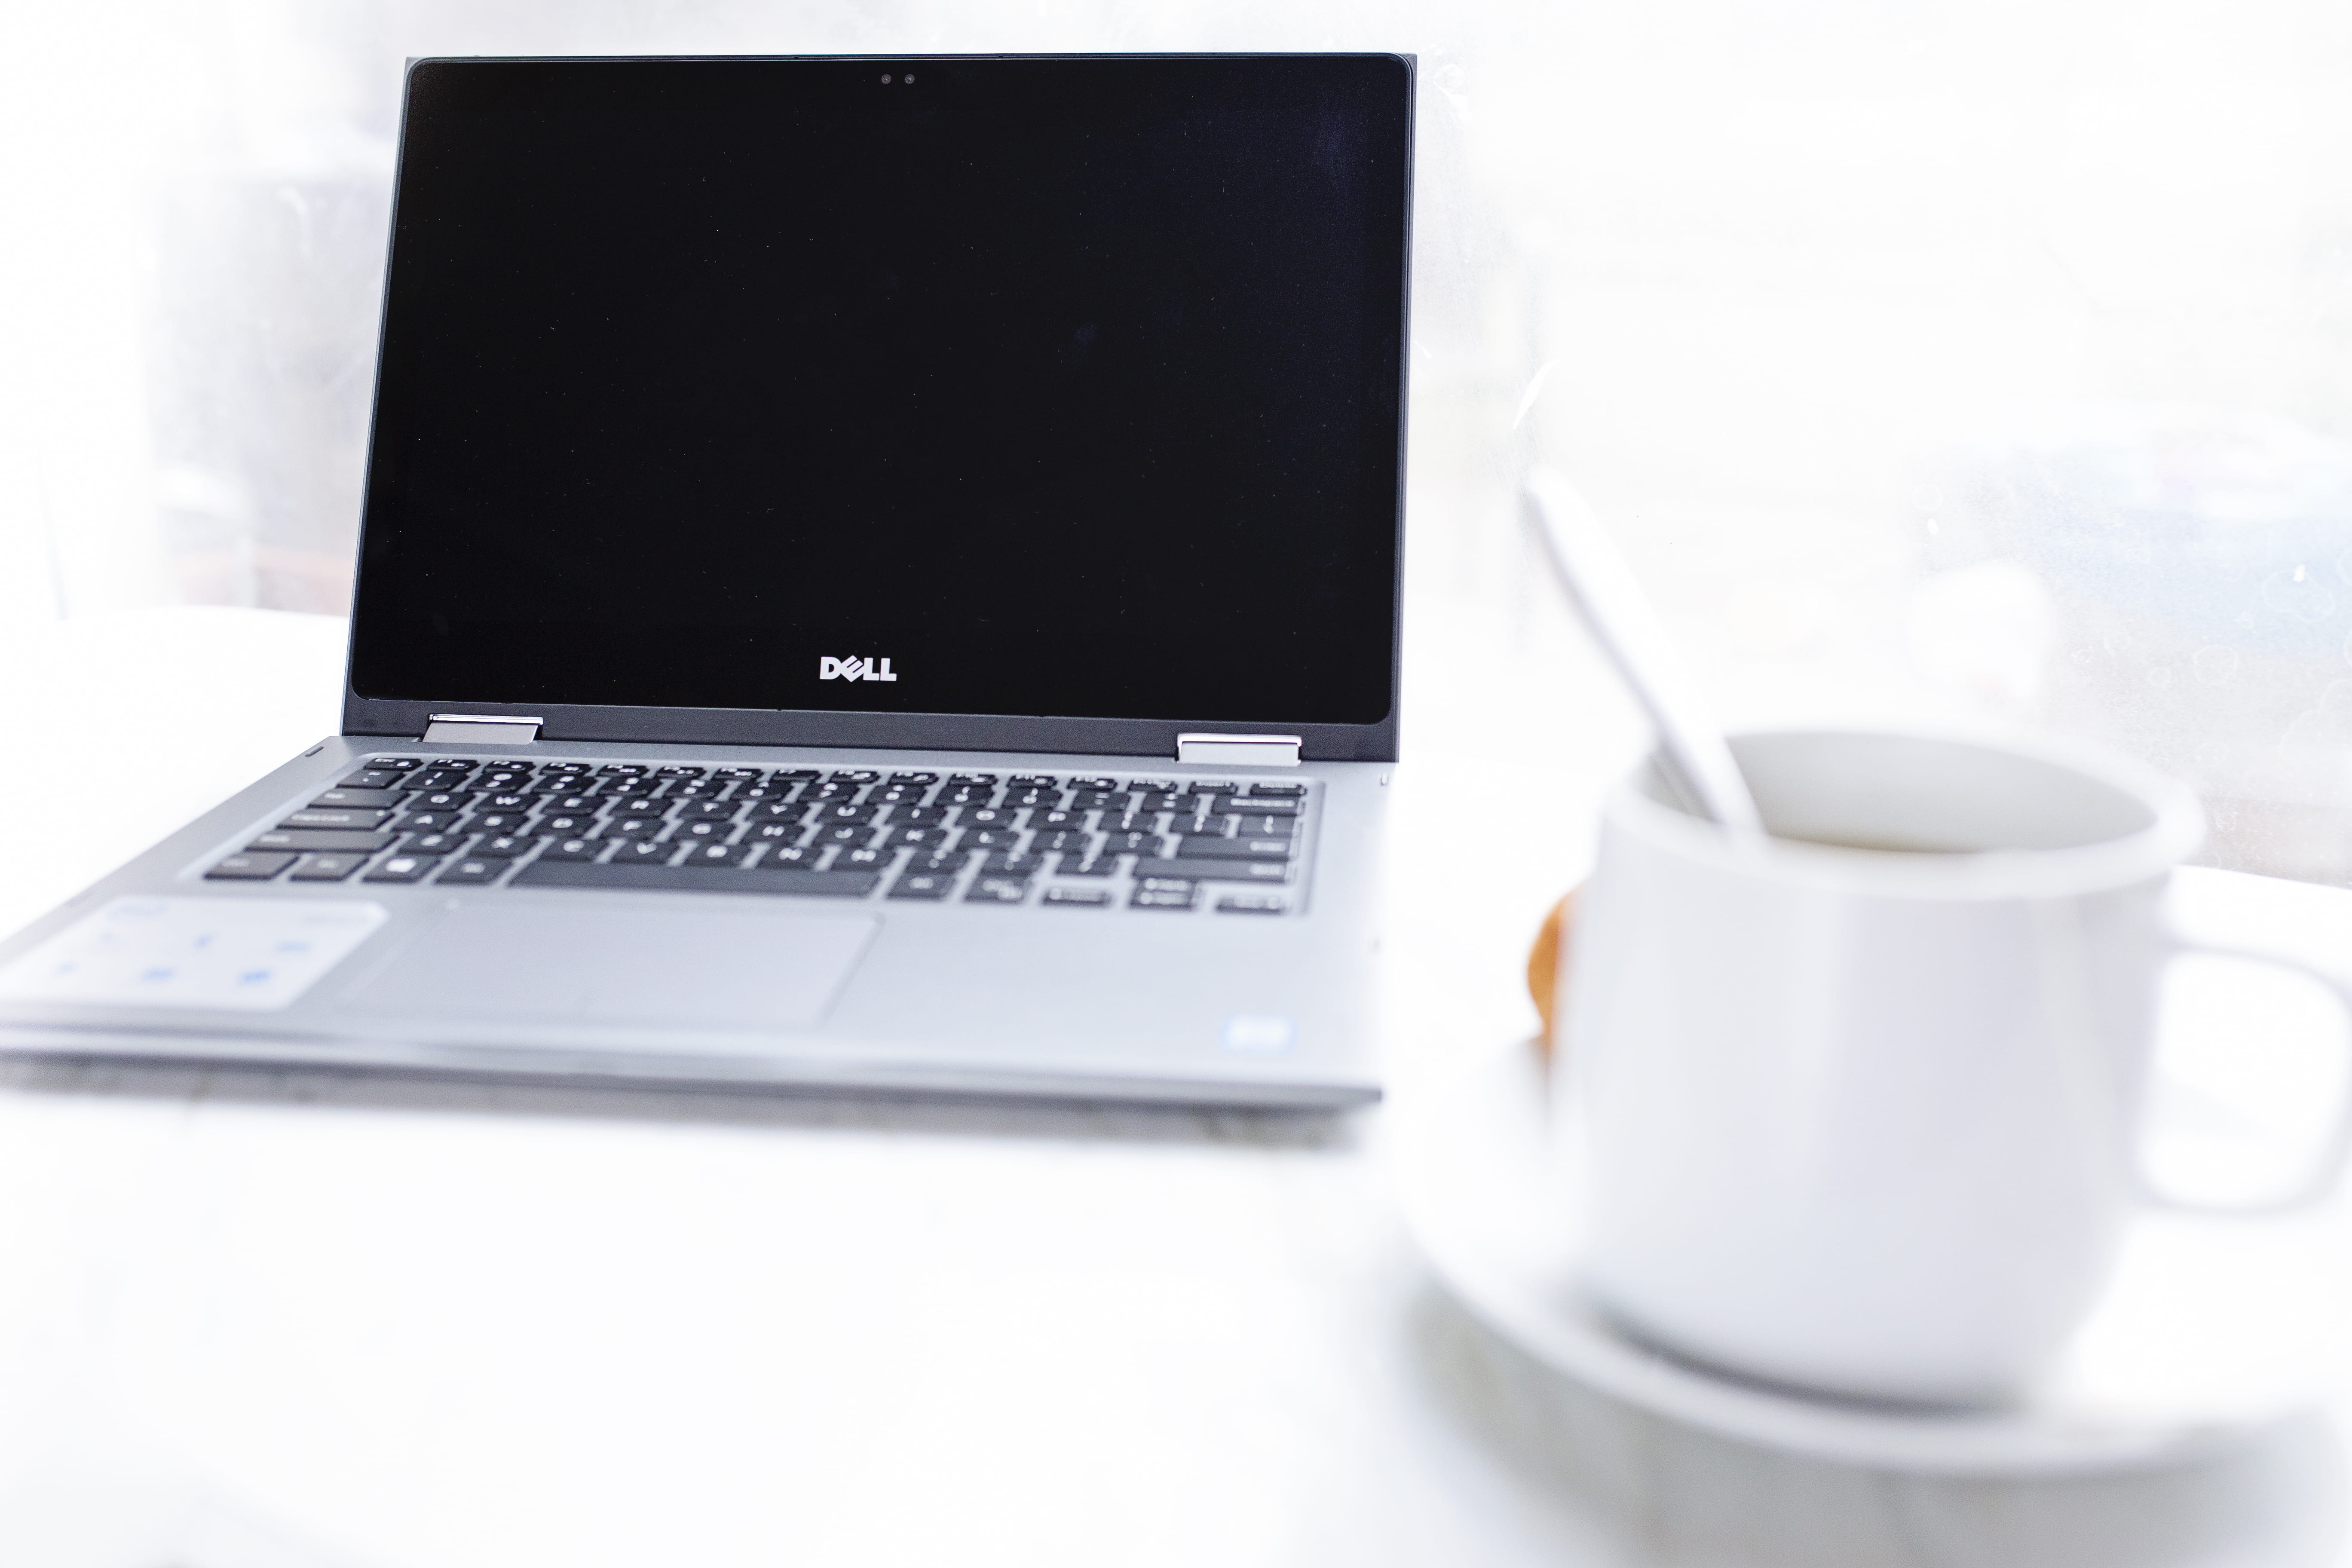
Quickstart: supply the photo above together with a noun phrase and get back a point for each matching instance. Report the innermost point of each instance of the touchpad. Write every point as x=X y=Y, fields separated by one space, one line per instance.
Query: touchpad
x=760 y=968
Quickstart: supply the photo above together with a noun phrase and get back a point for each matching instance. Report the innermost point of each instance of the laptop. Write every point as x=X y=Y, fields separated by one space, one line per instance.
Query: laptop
x=875 y=573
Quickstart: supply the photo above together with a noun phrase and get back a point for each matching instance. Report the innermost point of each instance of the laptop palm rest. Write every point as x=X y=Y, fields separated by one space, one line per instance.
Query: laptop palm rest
x=728 y=969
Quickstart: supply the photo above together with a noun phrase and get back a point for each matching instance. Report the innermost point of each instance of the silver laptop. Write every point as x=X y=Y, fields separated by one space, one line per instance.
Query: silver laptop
x=880 y=573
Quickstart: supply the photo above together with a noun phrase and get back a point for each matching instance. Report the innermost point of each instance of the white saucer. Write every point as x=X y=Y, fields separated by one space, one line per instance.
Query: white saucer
x=2213 y=1330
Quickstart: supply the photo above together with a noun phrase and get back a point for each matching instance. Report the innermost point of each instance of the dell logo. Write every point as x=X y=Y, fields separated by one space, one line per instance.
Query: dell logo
x=853 y=669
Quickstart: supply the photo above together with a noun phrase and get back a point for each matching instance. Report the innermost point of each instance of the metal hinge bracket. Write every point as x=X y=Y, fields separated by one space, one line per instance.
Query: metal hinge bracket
x=481 y=730
x=1240 y=751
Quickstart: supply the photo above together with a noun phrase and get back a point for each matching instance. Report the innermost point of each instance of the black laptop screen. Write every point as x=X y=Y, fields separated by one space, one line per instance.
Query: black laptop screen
x=1061 y=387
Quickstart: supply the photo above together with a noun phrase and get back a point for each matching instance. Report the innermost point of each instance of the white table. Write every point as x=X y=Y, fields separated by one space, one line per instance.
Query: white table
x=266 y=1319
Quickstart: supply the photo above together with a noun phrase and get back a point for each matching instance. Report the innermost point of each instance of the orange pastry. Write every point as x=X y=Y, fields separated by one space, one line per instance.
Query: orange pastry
x=1543 y=963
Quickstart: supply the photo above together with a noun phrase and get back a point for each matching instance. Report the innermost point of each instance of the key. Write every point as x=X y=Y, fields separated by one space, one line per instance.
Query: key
x=708 y=811
x=635 y=827
x=772 y=833
x=1080 y=842
x=854 y=833
x=1210 y=787
x=1112 y=801
x=1049 y=821
x=917 y=816
x=434 y=844
x=697 y=879
x=895 y=794
x=507 y=800
x=472 y=870
x=432 y=821
x=576 y=824
x=1095 y=783
x=1266 y=827
x=573 y=849
x=800 y=775
x=1033 y=797
x=547 y=768
x=501 y=822
x=789 y=855
x=705 y=790
x=1291 y=791
x=403 y=868
x=839 y=812
x=503 y=845
x=703 y=832
x=569 y=803
x=968 y=796
x=914 y=778
x=681 y=771
x=326 y=868
x=976 y=780
x=1084 y=897
x=1034 y=780
x=440 y=799
x=1252 y=904
x=1131 y=844
x=402 y=764
x=1077 y=866
x=1254 y=805
x=371 y=778
x=992 y=838
x=319 y=839
x=337 y=818
x=859 y=776
x=738 y=775
x=860 y=860
x=1009 y=865
x=623 y=770
x=985 y=817
x=997 y=890
x=643 y=852
x=718 y=855
x=946 y=860
x=249 y=868
x=932 y=885
x=1148 y=898
x=1205 y=847
x=925 y=838
x=776 y=811
x=1219 y=870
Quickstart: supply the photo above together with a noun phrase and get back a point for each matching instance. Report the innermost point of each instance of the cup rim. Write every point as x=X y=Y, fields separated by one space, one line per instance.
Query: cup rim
x=2176 y=828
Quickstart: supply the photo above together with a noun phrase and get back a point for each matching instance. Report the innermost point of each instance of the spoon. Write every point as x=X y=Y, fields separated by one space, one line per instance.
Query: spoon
x=1697 y=763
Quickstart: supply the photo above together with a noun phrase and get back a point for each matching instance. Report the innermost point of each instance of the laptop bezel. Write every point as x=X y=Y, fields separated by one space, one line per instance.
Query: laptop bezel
x=1374 y=742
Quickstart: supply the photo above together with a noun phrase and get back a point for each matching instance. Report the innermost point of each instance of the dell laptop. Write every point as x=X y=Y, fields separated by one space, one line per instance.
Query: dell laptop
x=875 y=573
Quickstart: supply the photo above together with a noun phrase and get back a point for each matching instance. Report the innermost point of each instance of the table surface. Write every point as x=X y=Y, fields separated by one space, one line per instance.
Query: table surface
x=277 y=1319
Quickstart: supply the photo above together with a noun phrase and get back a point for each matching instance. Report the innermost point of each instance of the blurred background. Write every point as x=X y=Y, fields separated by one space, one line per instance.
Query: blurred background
x=1968 y=362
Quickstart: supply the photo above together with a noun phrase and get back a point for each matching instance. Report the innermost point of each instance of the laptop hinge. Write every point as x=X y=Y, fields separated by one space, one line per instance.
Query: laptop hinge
x=481 y=730
x=1240 y=751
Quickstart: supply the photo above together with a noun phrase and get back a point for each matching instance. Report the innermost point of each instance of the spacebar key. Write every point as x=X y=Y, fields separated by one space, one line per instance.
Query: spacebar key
x=694 y=878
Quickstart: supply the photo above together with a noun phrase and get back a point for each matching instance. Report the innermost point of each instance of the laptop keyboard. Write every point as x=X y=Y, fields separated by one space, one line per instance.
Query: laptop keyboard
x=1076 y=841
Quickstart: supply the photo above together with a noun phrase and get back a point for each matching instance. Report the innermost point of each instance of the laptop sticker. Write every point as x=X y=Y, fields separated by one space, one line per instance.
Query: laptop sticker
x=253 y=955
x=1259 y=1034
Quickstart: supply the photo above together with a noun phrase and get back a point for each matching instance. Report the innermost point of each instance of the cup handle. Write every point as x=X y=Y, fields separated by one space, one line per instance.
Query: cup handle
x=2320 y=1179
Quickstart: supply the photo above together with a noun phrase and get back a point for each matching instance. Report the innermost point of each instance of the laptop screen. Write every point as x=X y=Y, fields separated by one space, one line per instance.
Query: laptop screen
x=965 y=386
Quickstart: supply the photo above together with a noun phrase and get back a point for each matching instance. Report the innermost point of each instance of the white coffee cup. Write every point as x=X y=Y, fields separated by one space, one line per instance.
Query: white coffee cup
x=1867 y=1119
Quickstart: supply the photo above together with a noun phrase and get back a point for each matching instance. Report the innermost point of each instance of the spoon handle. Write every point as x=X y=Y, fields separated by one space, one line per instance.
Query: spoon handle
x=1697 y=763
